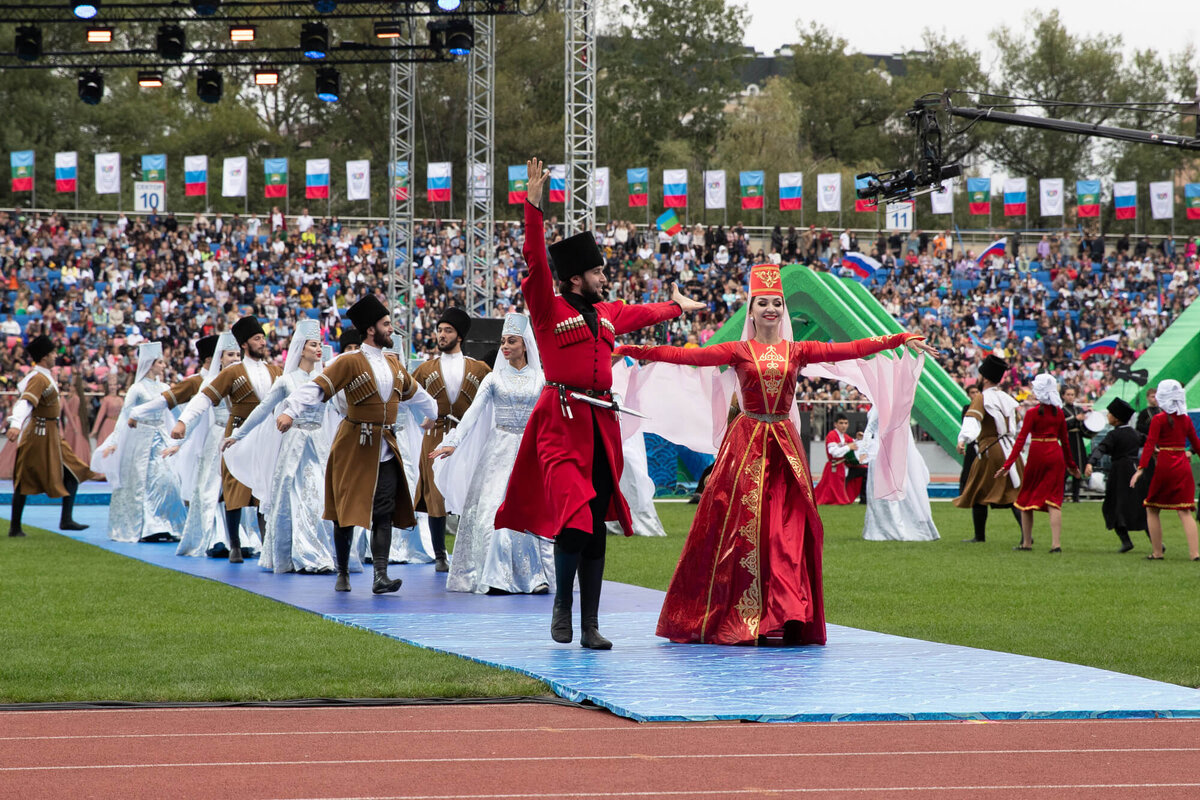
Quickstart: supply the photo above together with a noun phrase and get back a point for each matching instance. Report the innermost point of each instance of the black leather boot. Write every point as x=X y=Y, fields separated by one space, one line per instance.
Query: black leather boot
x=1126 y=544
x=437 y=533
x=591 y=579
x=18 y=509
x=381 y=545
x=566 y=565
x=66 y=521
x=233 y=521
x=342 y=539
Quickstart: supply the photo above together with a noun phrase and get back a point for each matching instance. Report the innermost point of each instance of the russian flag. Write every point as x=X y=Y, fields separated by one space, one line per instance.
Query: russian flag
x=996 y=248
x=859 y=203
x=195 y=176
x=558 y=183
x=65 y=171
x=316 y=178
x=1015 y=190
x=1101 y=347
x=675 y=188
x=437 y=182
x=638 y=179
x=791 y=191
x=1125 y=199
x=862 y=266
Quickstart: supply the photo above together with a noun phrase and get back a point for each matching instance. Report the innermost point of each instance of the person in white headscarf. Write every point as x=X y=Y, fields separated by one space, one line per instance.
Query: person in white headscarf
x=197 y=462
x=287 y=470
x=1046 y=466
x=1172 y=486
x=476 y=459
x=147 y=503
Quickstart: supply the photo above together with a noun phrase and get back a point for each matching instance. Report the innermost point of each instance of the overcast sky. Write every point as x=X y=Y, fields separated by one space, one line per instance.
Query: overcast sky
x=889 y=26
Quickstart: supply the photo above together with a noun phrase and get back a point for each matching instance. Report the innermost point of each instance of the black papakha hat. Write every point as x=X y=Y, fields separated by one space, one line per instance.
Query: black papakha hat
x=575 y=255
x=1121 y=410
x=993 y=368
x=206 y=346
x=40 y=347
x=246 y=328
x=366 y=312
x=350 y=338
x=457 y=319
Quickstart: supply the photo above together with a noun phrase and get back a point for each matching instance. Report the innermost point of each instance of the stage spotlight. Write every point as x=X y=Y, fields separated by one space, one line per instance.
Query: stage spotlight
x=328 y=84
x=446 y=5
x=170 y=41
x=28 y=42
x=91 y=87
x=460 y=37
x=205 y=8
x=314 y=40
x=209 y=85
x=325 y=6
x=242 y=33
x=266 y=76
x=150 y=79
x=387 y=30
x=99 y=35
x=86 y=10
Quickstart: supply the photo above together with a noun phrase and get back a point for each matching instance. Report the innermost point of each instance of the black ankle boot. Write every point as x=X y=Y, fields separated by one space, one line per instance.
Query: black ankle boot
x=233 y=522
x=381 y=545
x=18 y=509
x=437 y=534
x=66 y=521
x=342 y=539
x=566 y=565
x=591 y=579
x=1126 y=544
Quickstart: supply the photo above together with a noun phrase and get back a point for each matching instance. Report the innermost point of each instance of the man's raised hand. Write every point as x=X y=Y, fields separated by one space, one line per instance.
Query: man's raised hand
x=536 y=182
x=686 y=304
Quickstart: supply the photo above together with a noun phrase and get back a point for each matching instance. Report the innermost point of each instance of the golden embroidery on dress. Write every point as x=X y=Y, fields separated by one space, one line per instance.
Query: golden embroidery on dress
x=749 y=606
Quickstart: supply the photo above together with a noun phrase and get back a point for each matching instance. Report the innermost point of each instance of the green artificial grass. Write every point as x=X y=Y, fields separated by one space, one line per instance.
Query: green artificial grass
x=1089 y=605
x=83 y=624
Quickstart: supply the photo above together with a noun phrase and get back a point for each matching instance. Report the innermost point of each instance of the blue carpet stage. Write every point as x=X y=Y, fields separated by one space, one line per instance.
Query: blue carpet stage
x=859 y=675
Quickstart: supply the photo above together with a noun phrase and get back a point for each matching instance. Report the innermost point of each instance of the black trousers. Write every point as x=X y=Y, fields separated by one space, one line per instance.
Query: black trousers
x=591 y=544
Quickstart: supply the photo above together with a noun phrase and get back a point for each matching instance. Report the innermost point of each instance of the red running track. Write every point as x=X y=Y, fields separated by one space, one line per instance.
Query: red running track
x=494 y=752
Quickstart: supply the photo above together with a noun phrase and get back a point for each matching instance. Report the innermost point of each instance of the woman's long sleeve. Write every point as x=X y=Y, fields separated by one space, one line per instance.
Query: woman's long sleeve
x=1151 y=440
x=277 y=394
x=717 y=355
x=487 y=390
x=810 y=352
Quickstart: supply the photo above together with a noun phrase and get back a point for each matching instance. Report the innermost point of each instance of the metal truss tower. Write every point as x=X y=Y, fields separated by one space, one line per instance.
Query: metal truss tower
x=580 y=127
x=481 y=216
x=400 y=192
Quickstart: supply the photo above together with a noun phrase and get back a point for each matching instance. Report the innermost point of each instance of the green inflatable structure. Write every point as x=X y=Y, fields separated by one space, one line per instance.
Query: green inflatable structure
x=1174 y=354
x=824 y=307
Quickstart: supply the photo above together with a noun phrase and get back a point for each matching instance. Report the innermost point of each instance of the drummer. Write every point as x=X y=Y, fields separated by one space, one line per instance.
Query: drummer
x=1077 y=434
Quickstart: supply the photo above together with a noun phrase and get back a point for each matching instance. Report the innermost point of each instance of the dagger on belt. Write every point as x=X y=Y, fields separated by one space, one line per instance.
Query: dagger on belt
x=611 y=405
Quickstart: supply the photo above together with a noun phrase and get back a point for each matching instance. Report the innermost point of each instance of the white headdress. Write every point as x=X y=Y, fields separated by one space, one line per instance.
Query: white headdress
x=1171 y=397
x=326 y=353
x=518 y=325
x=148 y=353
x=1045 y=389
x=307 y=330
x=226 y=341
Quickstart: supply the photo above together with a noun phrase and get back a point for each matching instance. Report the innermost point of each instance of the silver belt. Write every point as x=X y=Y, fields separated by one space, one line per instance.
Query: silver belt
x=511 y=428
x=306 y=426
x=766 y=417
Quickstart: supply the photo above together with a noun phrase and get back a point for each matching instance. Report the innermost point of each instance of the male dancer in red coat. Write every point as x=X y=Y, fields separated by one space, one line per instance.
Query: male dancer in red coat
x=565 y=482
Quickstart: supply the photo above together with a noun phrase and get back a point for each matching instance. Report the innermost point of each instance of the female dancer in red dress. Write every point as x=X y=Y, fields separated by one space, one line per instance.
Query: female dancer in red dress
x=751 y=566
x=1048 y=463
x=1172 y=486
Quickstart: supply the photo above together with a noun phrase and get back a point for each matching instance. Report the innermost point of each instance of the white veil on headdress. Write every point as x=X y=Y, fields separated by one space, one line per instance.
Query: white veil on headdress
x=1045 y=390
x=452 y=475
x=185 y=462
x=307 y=330
x=1171 y=397
x=148 y=353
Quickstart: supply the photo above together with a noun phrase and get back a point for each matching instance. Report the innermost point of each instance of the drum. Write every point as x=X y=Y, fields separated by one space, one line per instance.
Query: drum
x=1095 y=421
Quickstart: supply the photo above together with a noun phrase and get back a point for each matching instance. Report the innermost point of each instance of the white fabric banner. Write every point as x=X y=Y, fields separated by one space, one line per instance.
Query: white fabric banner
x=943 y=202
x=829 y=191
x=601 y=187
x=66 y=160
x=1162 y=199
x=714 y=188
x=358 y=180
x=108 y=173
x=1050 y=197
x=233 y=177
x=481 y=189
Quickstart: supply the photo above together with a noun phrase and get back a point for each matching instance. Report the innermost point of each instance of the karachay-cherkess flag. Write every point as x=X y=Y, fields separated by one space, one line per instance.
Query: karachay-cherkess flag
x=753 y=182
x=979 y=196
x=1087 y=198
x=518 y=177
x=638 y=179
x=275 y=176
x=1191 y=196
x=22 y=170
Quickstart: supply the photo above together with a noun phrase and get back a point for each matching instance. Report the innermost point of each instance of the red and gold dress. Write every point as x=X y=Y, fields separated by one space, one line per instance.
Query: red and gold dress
x=833 y=489
x=1172 y=485
x=1049 y=458
x=752 y=560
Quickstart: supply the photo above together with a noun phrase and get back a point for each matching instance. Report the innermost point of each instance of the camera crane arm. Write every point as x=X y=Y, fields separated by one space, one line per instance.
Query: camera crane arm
x=1070 y=126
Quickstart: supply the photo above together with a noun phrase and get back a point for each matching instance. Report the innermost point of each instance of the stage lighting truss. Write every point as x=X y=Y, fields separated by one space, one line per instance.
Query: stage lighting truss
x=235 y=11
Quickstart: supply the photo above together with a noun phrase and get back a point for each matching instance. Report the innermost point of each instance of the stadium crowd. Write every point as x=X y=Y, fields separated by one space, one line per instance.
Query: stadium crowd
x=102 y=284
